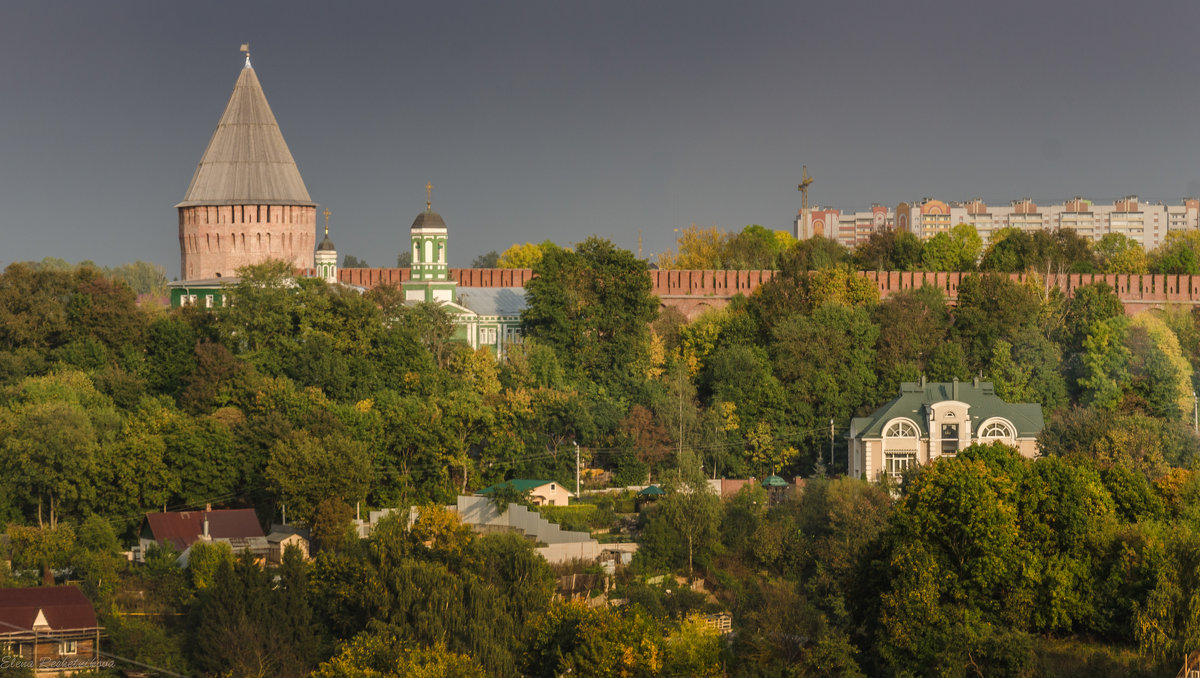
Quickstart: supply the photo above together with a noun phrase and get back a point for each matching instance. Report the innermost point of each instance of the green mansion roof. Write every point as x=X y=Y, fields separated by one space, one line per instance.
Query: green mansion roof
x=915 y=399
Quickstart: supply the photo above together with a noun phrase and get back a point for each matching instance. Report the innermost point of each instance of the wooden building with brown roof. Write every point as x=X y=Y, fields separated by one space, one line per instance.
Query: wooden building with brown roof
x=52 y=629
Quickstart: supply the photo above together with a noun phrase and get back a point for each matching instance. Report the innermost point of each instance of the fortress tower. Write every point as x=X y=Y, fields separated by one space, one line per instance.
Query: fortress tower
x=246 y=203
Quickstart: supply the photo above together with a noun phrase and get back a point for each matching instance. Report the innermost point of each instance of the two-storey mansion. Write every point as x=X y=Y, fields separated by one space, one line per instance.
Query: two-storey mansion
x=931 y=420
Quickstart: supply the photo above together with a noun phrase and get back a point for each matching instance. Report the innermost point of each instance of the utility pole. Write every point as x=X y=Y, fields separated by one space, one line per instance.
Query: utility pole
x=576 y=469
x=831 y=441
x=679 y=453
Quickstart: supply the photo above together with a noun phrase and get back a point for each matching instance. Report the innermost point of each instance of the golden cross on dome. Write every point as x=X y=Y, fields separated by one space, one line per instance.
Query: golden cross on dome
x=428 y=196
x=327 y=213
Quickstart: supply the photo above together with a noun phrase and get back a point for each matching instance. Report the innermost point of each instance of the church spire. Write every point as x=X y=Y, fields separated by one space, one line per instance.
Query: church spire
x=429 y=197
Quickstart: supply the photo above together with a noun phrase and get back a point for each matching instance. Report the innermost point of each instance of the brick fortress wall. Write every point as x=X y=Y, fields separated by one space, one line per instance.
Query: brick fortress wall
x=692 y=292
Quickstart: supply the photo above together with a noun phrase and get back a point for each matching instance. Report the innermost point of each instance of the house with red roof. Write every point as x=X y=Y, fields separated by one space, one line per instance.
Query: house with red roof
x=50 y=629
x=183 y=529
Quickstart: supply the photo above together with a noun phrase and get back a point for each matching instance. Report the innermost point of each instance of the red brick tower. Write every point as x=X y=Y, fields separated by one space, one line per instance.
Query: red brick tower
x=246 y=203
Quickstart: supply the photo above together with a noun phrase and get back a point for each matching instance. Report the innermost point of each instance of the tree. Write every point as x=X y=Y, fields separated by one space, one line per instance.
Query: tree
x=574 y=639
x=954 y=250
x=1118 y=253
x=1178 y=255
x=957 y=576
x=51 y=457
x=826 y=363
x=260 y=320
x=794 y=291
x=243 y=625
x=370 y=655
x=650 y=441
x=1105 y=363
x=525 y=256
x=142 y=277
x=332 y=529
x=593 y=306
x=1012 y=250
x=698 y=249
x=913 y=325
x=303 y=470
x=1089 y=305
x=351 y=261
x=755 y=248
x=694 y=649
x=487 y=260
x=889 y=249
x=1160 y=373
x=404 y=259
x=992 y=307
x=691 y=507
x=204 y=560
x=1028 y=371
x=816 y=253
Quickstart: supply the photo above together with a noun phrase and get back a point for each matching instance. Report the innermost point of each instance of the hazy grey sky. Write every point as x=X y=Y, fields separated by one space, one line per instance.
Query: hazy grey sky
x=558 y=120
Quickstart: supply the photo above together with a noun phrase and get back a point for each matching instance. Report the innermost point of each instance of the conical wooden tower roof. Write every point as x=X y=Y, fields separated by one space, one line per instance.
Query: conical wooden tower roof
x=247 y=161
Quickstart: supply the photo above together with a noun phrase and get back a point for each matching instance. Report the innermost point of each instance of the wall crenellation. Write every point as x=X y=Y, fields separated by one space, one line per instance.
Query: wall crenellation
x=695 y=291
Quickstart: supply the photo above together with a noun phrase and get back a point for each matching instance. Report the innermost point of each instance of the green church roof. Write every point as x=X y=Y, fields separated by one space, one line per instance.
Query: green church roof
x=915 y=399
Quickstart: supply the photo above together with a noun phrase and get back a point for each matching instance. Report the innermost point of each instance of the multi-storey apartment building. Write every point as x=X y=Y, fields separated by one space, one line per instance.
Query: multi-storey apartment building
x=1146 y=223
x=850 y=227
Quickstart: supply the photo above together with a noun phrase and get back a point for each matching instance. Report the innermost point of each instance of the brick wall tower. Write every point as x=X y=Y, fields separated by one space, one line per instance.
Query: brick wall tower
x=246 y=203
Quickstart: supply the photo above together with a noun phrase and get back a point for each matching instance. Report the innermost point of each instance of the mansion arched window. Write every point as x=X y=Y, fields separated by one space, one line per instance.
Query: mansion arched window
x=901 y=428
x=997 y=429
x=900 y=442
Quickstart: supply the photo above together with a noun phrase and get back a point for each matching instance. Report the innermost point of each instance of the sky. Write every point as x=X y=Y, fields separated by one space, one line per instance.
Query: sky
x=559 y=120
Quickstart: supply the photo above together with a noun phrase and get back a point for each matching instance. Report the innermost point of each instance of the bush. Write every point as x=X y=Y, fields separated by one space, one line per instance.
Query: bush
x=575 y=517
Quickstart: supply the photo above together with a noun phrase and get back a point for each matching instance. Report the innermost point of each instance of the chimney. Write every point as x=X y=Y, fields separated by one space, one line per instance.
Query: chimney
x=955 y=396
x=206 y=537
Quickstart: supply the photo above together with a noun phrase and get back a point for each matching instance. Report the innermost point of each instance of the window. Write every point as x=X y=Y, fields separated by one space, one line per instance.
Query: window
x=901 y=428
x=208 y=301
x=898 y=462
x=68 y=647
x=997 y=429
x=950 y=439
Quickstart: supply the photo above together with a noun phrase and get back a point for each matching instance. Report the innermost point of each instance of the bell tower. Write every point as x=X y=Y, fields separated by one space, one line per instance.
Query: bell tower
x=326 y=256
x=429 y=277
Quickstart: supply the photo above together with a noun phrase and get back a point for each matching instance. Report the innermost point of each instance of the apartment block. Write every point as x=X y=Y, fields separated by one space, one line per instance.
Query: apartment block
x=1146 y=223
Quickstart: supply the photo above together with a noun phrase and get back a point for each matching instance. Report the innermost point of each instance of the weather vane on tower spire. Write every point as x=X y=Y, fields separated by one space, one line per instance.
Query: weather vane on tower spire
x=429 y=197
x=246 y=49
x=327 y=213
